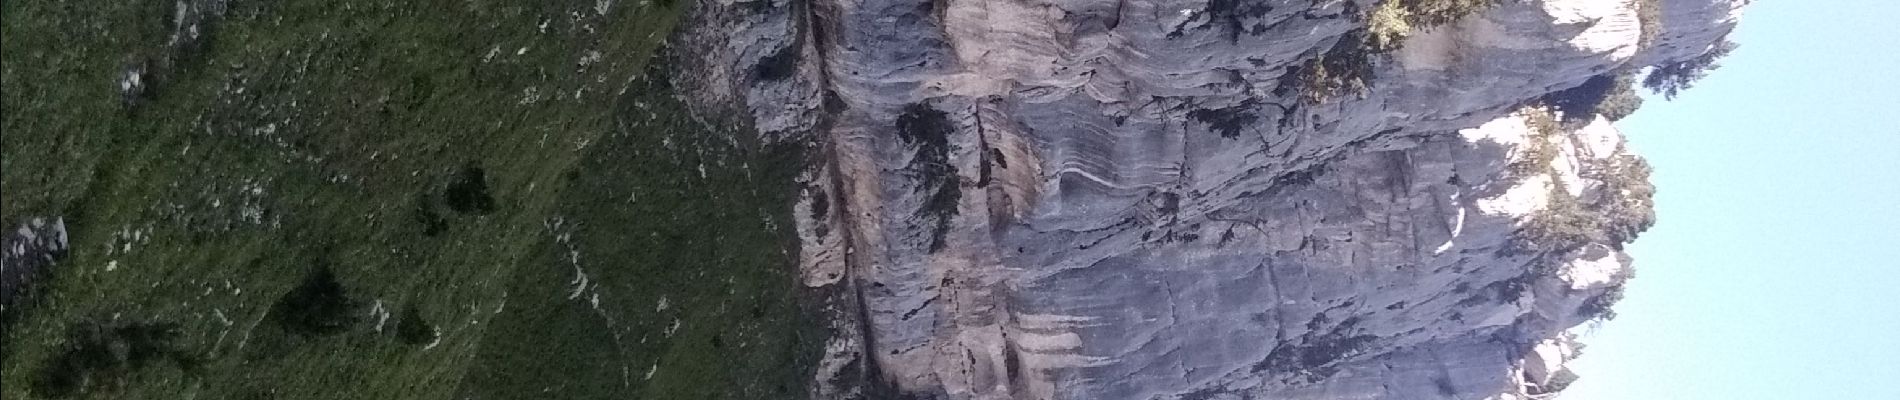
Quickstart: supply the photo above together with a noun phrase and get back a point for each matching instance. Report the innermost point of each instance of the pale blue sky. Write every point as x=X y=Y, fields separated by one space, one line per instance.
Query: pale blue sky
x=1774 y=271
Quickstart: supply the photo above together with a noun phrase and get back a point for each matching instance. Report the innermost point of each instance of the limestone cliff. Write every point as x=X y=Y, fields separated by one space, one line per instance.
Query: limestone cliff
x=1227 y=199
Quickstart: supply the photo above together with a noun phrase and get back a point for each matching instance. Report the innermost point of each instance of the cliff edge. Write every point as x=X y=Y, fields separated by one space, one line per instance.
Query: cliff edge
x=1227 y=199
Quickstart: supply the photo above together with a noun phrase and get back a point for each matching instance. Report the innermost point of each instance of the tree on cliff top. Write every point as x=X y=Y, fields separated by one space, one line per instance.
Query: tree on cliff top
x=1671 y=78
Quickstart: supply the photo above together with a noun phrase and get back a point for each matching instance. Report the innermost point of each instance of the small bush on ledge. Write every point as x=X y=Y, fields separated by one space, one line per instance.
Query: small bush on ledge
x=1393 y=20
x=1345 y=69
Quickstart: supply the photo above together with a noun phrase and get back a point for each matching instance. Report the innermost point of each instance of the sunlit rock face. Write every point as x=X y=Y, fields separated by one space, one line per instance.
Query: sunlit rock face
x=1129 y=199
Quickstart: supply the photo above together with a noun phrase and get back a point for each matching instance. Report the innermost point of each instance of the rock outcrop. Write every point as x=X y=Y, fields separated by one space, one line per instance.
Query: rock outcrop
x=1133 y=199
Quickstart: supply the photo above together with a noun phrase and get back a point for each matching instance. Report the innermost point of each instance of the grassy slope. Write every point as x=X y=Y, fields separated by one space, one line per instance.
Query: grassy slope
x=309 y=132
x=681 y=235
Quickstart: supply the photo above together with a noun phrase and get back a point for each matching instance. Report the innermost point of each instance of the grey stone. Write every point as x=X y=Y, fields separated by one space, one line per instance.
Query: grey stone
x=1146 y=206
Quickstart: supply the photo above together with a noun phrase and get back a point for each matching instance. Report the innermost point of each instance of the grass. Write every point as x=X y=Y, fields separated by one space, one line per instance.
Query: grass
x=685 y=295
x=420 y=150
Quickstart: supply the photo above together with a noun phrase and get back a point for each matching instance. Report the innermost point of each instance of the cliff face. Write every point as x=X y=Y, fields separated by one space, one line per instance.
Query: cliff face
x=1093 y=199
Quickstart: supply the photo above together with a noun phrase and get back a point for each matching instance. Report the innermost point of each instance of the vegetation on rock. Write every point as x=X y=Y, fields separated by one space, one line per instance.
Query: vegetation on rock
x=1626 y=201
x=1673 y=77
x=1649 y=19
x=1599 y=306
x=928 y=131
x=1344 y=69
x=1392 y=21
x=1611 y=95
x=1613 y=213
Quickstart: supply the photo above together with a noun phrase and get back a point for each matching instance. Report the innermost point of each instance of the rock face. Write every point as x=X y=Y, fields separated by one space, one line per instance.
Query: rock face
x=1134 y=199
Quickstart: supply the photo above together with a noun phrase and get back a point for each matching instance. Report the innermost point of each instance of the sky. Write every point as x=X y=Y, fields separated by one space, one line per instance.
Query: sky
x=1774 y=269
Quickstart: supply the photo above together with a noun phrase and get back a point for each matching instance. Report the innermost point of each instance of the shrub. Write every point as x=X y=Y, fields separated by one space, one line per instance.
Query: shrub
x=928 y=130
x=1623 y=207
x=1580 y=103
x=1346 y=68
x=1228 y=121
x=1387 y=26
x=317 y=307
x=1393 y=20
x=1538 y=150
x=1563 y=225
x=412 y=329
x=1627 y=200
x=1622 y=101
x=431 y=222
x=1342 y=70
x=1230 y=14
x=469 y=193
x=779 y=65
x=1611 y=95
x=1671 y=78
x=1598 y=306
x=102 y=355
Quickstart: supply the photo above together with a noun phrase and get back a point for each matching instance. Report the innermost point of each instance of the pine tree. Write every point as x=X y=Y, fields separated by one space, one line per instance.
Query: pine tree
x=318 y=307
x=1671 y=78
x=412 y=329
